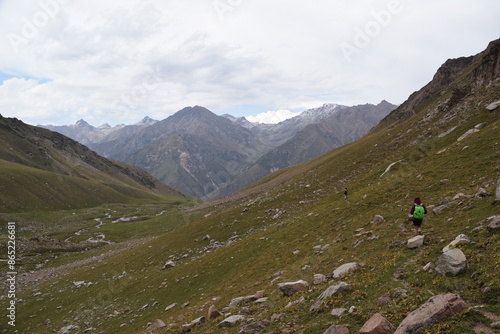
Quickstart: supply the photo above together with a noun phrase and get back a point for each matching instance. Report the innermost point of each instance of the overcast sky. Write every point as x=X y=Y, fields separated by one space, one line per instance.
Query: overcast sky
x=117 y=61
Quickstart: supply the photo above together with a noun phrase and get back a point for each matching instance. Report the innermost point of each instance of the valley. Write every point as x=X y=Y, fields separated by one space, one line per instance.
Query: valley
x=166 y=260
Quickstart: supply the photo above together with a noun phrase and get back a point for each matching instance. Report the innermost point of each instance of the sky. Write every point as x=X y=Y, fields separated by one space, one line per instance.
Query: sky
x=117 y=61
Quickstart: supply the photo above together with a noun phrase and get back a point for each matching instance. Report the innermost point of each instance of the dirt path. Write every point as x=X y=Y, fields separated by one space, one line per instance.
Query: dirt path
x=27 y=280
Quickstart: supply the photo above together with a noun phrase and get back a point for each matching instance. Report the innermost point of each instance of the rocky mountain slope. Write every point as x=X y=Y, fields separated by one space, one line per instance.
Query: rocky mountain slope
x=290 y=255
x=337 y=128
x=210 y=156
x=42 y=169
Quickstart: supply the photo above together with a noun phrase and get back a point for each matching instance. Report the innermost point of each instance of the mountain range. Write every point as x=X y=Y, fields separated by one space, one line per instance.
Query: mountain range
x=289 y=253
x=211 y=156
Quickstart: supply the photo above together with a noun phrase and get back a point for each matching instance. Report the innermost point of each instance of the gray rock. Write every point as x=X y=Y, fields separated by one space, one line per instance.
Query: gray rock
x=213 y=313
x=67 y=329
x=337 y=312
x=497 y=193
x=434 y=310
x=440 y=208
x=467 y=134
x=232 y=320
x=482 y=193
x=495 y=224
x=337 y=329
x=344 y=269
x=168 y=264
x=296 y=302
x=328 y=293
x=416 y=241
x=492 y=106
x=452 y=262
x=388 y=169
x=290 y=288
x=319 y=278
x=378 y=219
x=156 y=324
x=196 y=322
x=377 y=324
x=254 y=327
x=461 y=239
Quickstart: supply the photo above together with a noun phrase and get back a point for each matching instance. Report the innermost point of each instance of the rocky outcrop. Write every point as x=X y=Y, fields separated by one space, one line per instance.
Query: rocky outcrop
x=434 y=310
x=452 y=262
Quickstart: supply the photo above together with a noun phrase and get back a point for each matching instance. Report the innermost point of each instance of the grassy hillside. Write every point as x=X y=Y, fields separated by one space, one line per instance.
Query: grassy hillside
x=289 y=226
x=299 y=213
x=44 y=170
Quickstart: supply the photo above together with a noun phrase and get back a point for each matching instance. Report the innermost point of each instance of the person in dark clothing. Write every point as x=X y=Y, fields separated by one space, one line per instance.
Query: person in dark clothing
x=345 y=194
x=418 y=210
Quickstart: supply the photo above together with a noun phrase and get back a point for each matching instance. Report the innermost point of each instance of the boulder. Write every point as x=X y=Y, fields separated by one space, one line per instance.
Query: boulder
x=482 y=193
x=378 y=219
x=254 y=327
x=440 y=208
x=290 y=288
x=461 y=239
x=328 y=293
x=416 y=241
x=337 y=312
x=168 y=264
x=497 y=193
x=213 y=313
x=319 y=278
x=452 y=262
x=156 y=324
x=240 y=300
x=492 y=106
x=377 y=324
x=232 y=320
x=495 y=224
x=337 y=329
x=434 y=310
x=344 y=269
x=188 y=327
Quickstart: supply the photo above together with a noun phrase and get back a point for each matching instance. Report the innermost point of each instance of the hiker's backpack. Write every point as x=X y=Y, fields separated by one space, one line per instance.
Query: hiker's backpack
x=419 y=212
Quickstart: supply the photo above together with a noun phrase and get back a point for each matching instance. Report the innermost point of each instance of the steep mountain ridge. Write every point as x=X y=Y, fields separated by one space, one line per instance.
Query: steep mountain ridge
x=336 y=127
x=458 y=77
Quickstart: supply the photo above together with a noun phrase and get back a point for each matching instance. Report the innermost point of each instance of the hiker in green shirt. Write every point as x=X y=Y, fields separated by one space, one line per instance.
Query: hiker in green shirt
x=418 y=210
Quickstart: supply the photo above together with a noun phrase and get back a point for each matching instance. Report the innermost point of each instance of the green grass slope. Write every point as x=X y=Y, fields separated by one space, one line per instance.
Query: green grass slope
x=295 y=223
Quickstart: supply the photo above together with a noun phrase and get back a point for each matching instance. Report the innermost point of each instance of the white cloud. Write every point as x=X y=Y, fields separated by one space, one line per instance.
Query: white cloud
x=272 y=117
x=118 y=61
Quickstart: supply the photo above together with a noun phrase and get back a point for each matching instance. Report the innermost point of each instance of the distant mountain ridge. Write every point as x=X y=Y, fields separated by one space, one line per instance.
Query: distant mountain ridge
x=209 y=156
